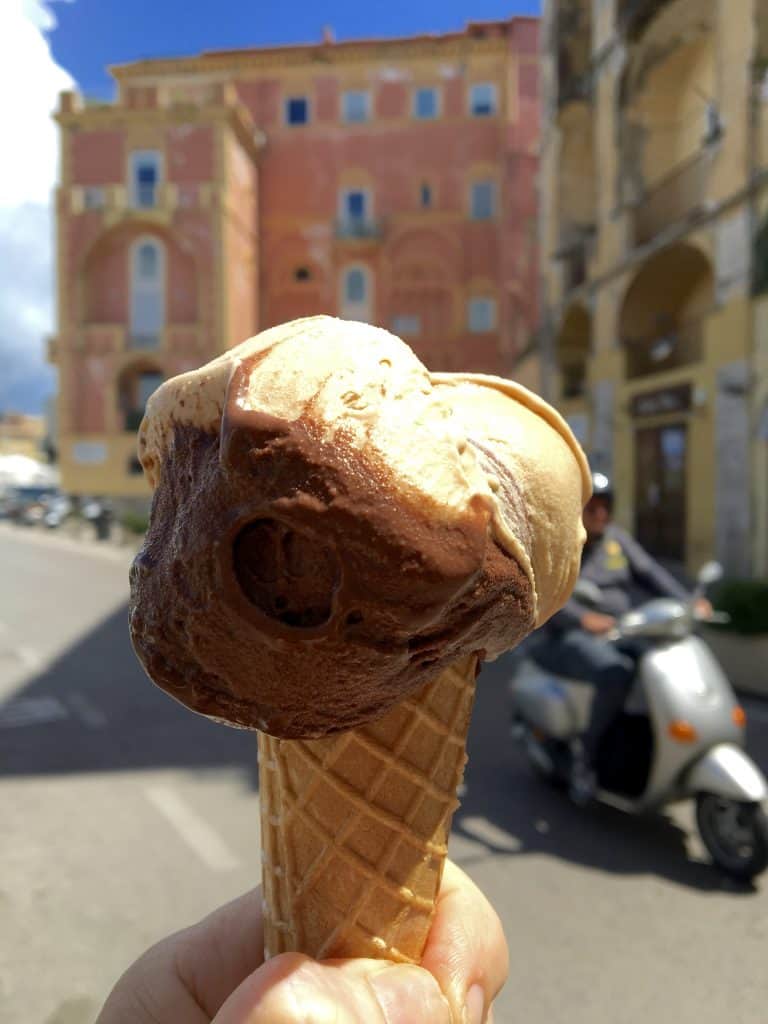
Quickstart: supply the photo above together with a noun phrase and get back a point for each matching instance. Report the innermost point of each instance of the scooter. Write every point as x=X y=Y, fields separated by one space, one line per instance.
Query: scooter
x=681 y=734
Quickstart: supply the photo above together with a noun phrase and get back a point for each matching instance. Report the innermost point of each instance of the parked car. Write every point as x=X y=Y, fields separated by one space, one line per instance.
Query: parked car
x=27 y=504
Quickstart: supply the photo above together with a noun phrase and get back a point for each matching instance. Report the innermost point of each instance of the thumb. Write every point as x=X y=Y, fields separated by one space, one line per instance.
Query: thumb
x=293 y=989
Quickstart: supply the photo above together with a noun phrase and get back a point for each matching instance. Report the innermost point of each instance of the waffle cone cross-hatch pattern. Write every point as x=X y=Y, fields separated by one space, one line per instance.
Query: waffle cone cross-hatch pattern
x=354 y=826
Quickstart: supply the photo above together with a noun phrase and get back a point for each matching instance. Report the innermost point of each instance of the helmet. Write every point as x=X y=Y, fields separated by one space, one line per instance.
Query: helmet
x=602 y=487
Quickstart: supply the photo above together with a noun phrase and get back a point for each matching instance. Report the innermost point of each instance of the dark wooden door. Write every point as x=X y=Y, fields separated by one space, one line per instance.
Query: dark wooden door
x=660 y=473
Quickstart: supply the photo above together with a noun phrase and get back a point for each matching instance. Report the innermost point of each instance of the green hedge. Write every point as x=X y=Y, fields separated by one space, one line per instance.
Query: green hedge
x=746 y=601
x=134 y=522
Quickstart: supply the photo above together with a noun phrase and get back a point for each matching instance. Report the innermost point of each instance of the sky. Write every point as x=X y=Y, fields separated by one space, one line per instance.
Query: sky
x=50 y=45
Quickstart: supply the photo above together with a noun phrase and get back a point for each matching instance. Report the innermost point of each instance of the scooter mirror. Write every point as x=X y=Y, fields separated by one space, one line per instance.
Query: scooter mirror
x=711 y=572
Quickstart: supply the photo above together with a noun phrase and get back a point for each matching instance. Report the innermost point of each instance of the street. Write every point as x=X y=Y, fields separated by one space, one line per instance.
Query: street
x=126 y=817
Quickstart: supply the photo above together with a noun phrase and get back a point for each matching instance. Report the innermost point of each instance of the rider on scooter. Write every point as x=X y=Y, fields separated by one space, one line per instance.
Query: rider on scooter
x=570 y=642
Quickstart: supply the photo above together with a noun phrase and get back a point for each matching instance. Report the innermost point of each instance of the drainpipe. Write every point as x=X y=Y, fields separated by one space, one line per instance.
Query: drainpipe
x=753 y=129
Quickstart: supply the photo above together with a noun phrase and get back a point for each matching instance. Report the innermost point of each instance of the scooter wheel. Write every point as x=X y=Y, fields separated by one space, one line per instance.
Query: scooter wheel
x=735 y=834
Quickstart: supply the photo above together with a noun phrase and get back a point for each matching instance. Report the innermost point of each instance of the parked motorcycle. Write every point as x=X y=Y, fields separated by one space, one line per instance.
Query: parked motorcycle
x=681 y=734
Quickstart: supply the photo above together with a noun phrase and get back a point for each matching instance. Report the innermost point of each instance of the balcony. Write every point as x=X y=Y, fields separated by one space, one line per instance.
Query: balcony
x=157 y=204
x=681 y=195
x=633 y=15
x=353 y=229
x=680 y=346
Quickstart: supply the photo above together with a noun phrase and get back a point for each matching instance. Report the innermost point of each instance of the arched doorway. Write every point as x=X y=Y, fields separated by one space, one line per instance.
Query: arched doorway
x=661 y=320
x=661 y=326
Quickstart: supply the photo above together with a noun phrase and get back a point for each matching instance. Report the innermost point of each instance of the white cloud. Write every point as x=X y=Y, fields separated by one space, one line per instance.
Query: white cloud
x=30 y=81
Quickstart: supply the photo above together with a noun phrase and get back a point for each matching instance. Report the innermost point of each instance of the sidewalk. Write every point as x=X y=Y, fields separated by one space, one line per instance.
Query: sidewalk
x=77 y=533
x=744 y=659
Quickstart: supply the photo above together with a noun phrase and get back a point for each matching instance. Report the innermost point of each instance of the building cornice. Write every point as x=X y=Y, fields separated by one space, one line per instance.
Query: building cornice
x=478 y=38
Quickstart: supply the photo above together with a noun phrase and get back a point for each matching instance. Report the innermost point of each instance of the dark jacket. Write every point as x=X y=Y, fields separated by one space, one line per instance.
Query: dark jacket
x=625 y=574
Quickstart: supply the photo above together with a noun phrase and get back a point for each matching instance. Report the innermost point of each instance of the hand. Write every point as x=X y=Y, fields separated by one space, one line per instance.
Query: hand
x=702 y=608
x=213 y=973
x=596 y=622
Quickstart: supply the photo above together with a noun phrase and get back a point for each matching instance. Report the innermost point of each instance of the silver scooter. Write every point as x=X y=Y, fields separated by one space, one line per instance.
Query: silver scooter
x=681 y=734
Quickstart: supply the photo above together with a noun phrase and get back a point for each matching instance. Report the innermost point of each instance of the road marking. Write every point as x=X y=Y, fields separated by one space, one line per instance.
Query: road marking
x=29 y=659
x=491 y=835
x=87 y=711
x=31 y=711
x=195 y=832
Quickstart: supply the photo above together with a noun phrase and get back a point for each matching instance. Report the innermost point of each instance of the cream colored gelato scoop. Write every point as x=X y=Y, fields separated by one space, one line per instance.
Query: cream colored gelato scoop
x=333 y=525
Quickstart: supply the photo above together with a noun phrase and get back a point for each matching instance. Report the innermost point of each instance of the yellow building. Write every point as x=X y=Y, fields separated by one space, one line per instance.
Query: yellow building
x=654 y=241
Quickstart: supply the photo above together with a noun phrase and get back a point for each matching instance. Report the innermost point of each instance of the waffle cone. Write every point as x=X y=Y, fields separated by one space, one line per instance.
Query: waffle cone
x=354 y=826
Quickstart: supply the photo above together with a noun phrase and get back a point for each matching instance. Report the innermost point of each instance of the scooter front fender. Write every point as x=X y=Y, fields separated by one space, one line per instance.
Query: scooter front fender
x=726 y=770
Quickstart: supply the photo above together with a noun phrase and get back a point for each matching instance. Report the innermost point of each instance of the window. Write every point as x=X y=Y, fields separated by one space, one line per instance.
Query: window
x=425 y=106
x=354 y=285
x=356 y=294
x=483 y=200
x=355 y=213
x=425 y=195
x=147 y=293
x=93 y=197
x=297 y=110
x=136 y=386
x=481 y=315
x=482 y=99
x=406 y=325
x=356 y=107
x=149 y=382
x=145 y=179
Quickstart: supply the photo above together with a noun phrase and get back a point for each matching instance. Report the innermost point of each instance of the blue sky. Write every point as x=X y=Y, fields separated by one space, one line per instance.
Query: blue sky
x=93 y=33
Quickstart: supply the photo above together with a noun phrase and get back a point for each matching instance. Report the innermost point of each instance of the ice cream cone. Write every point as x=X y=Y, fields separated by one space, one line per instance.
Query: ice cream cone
x=354 y=826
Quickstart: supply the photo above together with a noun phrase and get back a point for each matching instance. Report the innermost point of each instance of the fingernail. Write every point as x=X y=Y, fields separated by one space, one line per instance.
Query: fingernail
x=475 y=1005
x=399 y=988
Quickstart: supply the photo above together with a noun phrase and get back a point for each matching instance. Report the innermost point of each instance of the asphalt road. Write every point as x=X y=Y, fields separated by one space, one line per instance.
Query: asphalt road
x=125 y=817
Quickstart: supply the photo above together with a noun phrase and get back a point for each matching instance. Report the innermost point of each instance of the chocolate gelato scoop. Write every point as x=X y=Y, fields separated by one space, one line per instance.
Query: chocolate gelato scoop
x=332 y=526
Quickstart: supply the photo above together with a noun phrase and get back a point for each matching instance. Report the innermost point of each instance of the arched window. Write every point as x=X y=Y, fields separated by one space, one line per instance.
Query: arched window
x=135 y=386
x=356 y=293
x=147 y=293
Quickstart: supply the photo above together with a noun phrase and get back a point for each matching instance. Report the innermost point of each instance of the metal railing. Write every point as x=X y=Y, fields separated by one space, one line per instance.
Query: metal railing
x=678 y=346
x=143 y=342
x=678 y=196
x=359 y=228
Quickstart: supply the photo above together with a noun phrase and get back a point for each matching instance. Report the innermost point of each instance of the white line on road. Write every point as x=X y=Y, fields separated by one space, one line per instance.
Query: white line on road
x=31 y=711
x=196 y=833
x=29 y=659
x=87 y=711
x=491 y=835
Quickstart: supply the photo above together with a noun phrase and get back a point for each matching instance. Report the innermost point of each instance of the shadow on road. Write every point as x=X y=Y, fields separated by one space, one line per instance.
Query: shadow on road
x=532 y=817
x=94 y=710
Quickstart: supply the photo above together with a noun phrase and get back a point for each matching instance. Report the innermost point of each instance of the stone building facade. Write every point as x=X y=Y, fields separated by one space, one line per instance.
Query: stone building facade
x=391 y=181
x=654 y=245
